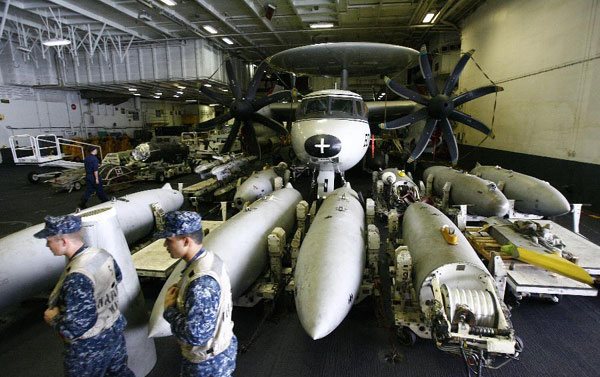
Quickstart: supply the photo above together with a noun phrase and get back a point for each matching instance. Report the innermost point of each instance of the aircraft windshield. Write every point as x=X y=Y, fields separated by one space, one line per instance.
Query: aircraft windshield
x=332 y=107
x=318 y=105
x=341 y=105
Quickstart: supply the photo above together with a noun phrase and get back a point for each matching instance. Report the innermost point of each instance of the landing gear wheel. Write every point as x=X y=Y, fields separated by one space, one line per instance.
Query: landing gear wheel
x=160 y=177
x=33 y=177
x=77 y=186
x=406 y=337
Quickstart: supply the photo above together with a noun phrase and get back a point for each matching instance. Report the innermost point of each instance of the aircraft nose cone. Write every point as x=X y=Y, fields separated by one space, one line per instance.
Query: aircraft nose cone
x=323 y=146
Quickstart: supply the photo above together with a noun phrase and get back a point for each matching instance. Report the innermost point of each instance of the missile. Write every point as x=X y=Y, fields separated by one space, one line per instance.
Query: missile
x=241 y=242
x=483 y=196
x=28 y=267
x=101 y=229
x=331 y=263
x=531 y=195
x=256 y=186
x=205 y=168
x=453 y=287
x=226 y=170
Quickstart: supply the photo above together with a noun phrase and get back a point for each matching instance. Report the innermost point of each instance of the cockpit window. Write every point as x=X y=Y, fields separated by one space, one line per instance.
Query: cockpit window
x=359 y=108
x=317 y=105
x=341 y=105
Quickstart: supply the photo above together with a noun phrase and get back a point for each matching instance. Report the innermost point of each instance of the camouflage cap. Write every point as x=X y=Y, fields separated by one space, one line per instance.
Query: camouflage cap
x=59 y=225
x=180 y=222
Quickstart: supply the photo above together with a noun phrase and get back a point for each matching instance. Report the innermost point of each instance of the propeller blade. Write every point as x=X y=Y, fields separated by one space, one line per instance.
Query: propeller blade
x=253 y=144
x=450 y=140
x=475 y=93
x=271 y=123
x=552 y=262
x=426 y=71
x=469 y=121
x=423 y=140
x=404 y=92
x=211 y=123
x=260 y=71
x=225 y=101
x=233 y=84
x=453 y=79
x=231 y=137
x=406 y=120
x=275 y=97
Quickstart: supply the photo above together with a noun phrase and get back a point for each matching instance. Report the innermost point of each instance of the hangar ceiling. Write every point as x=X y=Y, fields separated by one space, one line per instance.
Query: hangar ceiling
x=240 y=27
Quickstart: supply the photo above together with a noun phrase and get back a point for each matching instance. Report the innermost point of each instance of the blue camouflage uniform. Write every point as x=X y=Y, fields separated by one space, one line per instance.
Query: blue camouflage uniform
x=104 y=354
x=91 y=165
x=197 y=324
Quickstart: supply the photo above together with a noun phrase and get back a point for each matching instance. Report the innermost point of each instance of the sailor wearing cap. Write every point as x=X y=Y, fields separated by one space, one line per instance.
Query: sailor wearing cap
x=199 y=306
x=84 y=307
x=93 y=180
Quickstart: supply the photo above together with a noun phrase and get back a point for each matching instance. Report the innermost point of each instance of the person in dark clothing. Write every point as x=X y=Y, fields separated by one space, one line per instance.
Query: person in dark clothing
x=93 y=180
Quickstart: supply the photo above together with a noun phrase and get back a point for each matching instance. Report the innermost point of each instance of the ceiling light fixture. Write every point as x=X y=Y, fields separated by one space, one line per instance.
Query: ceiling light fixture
x=225 y=90
x=214 y=104
x=181 y=87
x=207 y=85
x=170 y=3
x=136 y=94
x=429 y=17
x=321 y=25
x=227 y=40
x=56 y=42
x=158 y=93
x=269 y=11
x=210 y=29
x=179 y=92
x=132 y=89
x=190 y=100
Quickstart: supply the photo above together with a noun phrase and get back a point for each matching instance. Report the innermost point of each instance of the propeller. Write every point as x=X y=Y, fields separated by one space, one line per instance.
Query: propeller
x=439 y=109
x=243 y=108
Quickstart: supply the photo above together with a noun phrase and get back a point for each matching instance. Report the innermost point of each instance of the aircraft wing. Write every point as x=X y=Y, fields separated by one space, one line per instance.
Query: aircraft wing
x=389 y=110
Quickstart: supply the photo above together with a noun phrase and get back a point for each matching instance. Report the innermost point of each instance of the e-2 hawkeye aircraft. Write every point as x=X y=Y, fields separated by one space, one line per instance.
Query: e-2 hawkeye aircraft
x=330 y=130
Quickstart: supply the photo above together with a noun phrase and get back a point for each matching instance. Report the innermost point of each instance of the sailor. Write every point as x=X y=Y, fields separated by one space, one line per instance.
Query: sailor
x=199 y=306
x=93 y=180
x=84 y=306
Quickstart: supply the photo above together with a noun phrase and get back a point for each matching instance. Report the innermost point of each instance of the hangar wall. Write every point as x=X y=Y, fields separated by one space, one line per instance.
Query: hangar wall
x=546 y=55
x=34 y=110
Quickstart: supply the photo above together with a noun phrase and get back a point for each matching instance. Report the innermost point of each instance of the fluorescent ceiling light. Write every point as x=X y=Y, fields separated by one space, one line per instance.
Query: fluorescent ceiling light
x=181 y=87
x=176 y=96
x=214 y=104
x=156 y=96
x=225 y=90
x=57 y=42
x=132 y=89
x=428 y=18
x=227 y=40
x=179 y=92
x=136 y=94
x=158 y=93
x=210 y=29
x=207 y=85
x=321 y=25
x=170 y=3
x=190 y=100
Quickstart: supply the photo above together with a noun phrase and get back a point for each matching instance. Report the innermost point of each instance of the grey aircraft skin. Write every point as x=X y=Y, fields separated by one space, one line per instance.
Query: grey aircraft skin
x=483 y=197
x=531 y=195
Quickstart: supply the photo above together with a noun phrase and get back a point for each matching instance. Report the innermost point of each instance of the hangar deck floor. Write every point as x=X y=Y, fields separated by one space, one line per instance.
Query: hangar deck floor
x=560 y=339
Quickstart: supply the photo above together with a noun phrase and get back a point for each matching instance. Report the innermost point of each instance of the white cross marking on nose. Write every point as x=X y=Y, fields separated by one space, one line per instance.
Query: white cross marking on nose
x=322 y=145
